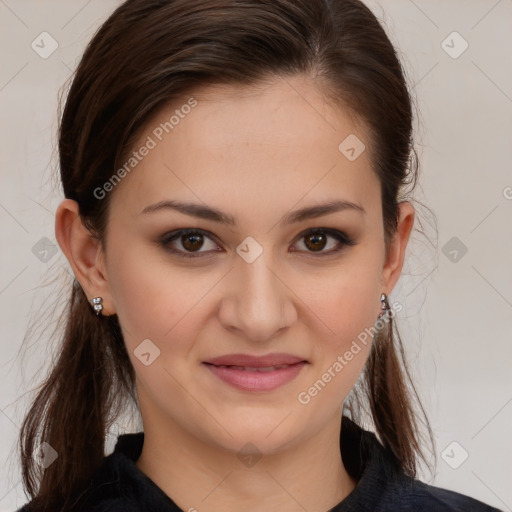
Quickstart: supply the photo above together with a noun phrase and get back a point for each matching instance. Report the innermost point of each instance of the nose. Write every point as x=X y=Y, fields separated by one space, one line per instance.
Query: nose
x=258 y=304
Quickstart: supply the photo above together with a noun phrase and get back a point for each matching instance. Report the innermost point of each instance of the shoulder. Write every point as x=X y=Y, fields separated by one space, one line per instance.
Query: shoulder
x=118 y=485
x=106 y=492
x=92 y=502
x=421 y=497
x=101 y=499
x=383 y=486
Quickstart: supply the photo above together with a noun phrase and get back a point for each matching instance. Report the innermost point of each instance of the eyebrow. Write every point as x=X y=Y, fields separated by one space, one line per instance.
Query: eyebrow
x=205 y=212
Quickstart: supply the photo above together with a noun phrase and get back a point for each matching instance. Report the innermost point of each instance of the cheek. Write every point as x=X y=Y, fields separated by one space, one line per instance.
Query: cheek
x=343 y=306
x=345 y=300
x=141 y=298
x=156 y=300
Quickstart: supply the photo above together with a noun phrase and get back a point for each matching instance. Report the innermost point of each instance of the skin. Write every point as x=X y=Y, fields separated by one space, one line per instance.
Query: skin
x=194 y=309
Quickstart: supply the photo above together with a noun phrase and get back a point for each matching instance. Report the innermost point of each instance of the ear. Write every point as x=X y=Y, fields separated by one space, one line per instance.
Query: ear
x=396 y=253
x=84 y=254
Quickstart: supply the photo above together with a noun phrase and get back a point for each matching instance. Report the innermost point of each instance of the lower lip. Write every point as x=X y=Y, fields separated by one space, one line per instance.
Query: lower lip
x=255 y=380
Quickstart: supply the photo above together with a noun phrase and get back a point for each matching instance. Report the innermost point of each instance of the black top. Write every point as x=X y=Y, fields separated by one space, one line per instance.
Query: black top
x=120 y=486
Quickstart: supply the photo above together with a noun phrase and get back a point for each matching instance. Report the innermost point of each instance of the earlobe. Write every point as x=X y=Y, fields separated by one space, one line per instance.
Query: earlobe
x=84 y=253
x=398 y=245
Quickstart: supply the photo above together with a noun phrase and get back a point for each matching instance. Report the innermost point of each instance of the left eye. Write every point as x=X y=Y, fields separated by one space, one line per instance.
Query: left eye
x=316 y=240
x=192 y=240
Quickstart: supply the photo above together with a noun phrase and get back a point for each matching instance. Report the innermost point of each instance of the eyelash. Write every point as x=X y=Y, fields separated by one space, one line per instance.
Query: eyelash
x=341 y=237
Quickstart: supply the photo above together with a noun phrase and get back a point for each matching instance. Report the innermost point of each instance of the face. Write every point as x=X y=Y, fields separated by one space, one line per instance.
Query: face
x=263 y=284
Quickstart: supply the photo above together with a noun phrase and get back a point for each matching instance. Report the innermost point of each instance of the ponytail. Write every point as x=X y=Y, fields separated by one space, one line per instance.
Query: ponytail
x=392 y=397
x=73 y=409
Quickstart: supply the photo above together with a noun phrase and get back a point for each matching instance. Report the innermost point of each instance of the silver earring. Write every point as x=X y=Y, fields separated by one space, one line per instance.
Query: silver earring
x=384 y=305
x=96 y=304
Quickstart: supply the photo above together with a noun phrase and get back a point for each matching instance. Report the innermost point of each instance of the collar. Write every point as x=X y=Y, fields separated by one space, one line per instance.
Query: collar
x=373 y=466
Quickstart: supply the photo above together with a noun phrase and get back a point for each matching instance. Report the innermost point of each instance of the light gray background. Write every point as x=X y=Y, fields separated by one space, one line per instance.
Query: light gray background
x=457 y=320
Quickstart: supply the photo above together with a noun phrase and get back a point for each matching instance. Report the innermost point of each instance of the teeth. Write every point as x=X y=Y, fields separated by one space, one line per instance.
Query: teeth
x=259 y=369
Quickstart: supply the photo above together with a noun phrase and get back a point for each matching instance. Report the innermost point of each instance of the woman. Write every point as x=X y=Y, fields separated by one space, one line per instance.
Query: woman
x=235 y=178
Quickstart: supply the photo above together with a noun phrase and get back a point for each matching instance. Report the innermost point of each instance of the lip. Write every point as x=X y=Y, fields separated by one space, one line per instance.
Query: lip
x=255 y=376
x=255 y=361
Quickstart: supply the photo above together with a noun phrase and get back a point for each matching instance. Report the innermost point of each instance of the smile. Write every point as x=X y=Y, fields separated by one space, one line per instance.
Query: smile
x=255 y=369
x=256 y=379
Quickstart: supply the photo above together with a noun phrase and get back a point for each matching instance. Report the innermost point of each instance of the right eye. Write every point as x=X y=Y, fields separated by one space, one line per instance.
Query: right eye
x=191 y=240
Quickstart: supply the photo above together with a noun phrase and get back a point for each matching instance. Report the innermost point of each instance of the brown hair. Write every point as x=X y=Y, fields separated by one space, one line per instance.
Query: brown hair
x=147 y=53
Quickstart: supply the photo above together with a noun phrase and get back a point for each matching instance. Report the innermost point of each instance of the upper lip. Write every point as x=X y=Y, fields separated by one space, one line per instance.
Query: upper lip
x=255 y=361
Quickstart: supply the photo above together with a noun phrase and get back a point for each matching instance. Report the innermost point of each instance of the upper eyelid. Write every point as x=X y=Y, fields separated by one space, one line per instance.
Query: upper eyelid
x=175 y=234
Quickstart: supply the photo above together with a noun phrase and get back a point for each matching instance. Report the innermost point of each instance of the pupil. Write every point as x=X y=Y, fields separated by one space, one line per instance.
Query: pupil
x=196 y=241
x=316 y=238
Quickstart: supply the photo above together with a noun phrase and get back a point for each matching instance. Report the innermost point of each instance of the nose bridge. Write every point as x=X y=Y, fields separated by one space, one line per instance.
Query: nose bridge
x=261 y=283
x=259 y=300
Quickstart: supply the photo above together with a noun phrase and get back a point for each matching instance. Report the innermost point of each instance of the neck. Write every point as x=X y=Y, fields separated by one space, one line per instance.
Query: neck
x=309 y=475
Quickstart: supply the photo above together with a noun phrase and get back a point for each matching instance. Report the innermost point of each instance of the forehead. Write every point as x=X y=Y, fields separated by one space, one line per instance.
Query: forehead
x=254 y=146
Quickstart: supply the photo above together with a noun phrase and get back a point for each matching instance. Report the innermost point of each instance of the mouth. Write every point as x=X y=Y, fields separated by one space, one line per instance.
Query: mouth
x=254 y=368
x=256 y=378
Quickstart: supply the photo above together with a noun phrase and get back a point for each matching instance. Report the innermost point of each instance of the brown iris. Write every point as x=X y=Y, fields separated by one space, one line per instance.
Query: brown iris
x=192 y=241
x=315 y=241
